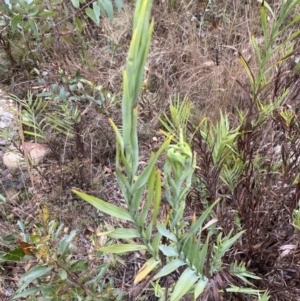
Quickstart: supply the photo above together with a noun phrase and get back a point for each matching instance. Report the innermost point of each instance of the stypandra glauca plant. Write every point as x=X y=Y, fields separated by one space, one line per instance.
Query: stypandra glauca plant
x=172 y=244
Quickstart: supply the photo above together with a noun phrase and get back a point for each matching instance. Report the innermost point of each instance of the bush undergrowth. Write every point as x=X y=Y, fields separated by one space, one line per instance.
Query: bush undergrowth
x=221 y=217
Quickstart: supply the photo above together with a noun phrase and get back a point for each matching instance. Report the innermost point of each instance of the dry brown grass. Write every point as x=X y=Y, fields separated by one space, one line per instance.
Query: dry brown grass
x=188 y=56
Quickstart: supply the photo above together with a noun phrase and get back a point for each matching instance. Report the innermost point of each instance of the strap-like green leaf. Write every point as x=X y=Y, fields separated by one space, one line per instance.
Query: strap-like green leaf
x=15 y=22
x=169 y=268
x=121 y=233
x=199 y=287
x=92 y=14
x=65 y=242
x=165 y=232
x=202 y=256
x=118 y=134
x=108 y=7
x=33 y=274
x=268 y=7
x=30 y=292
x=157 y=196
x=263 y=18
x=119 y=4
x=156 y=241
x=246 y=65
x=13 y=255
x=151 y=183
x=198 y=224
x=168 y=251
x=122 y=248
x=144 y=177
x=228 y=242
x=105 y=206
x=184 y=284
x=75 y=3
x=148 y=231
x=243 y=290
x=148 y=267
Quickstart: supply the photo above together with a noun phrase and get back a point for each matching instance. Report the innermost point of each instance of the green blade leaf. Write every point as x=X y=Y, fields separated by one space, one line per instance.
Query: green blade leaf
x=199 y=287
x=165 y=232
x=148 y=267
x=30 y=292
x=168 y=251
x=227 y=243
x=148 y=231
x=119 y=138
x=47 y=14
x=78 y=24
x=119 y=4
x=21 y=225
x=263 y=16
x=184 y=284
x=92 y=15
x=243 y=290
x=69 y=40
x=202 y=256
x=157 y=196
x=14 y=255
x=75 y=3
x=108 y=8
x=105 y=207
x=144 y=177
x=121 y=233
x=156 y=241
x=15 y=22
x=248 y=69
x=169 y=268
x=122 y=248
x=198 y=224
x=80 y=265
x=65 y=242
x=34 y=27
x=62 y=274
x=33 y=274
x=269 y=8
x=151 y=183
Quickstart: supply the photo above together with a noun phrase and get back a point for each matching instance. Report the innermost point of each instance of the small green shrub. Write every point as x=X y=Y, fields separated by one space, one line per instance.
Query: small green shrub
x=77 y=89
x=31 y=27
x=56 y=274
x=96 y=8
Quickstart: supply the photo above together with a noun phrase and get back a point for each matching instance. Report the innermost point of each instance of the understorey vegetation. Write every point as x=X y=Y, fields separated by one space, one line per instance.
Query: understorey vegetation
x=171 y=138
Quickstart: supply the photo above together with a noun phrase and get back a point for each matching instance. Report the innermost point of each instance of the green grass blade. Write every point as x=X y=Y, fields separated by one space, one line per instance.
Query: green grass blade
x=199 y=287
x=263 y=18
x=169 y=268
x=122 y=248
x=121 y=233
x=184 y=284
x=105 y=207
x=148 y=267
x=144 y=177
x=157 y=196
